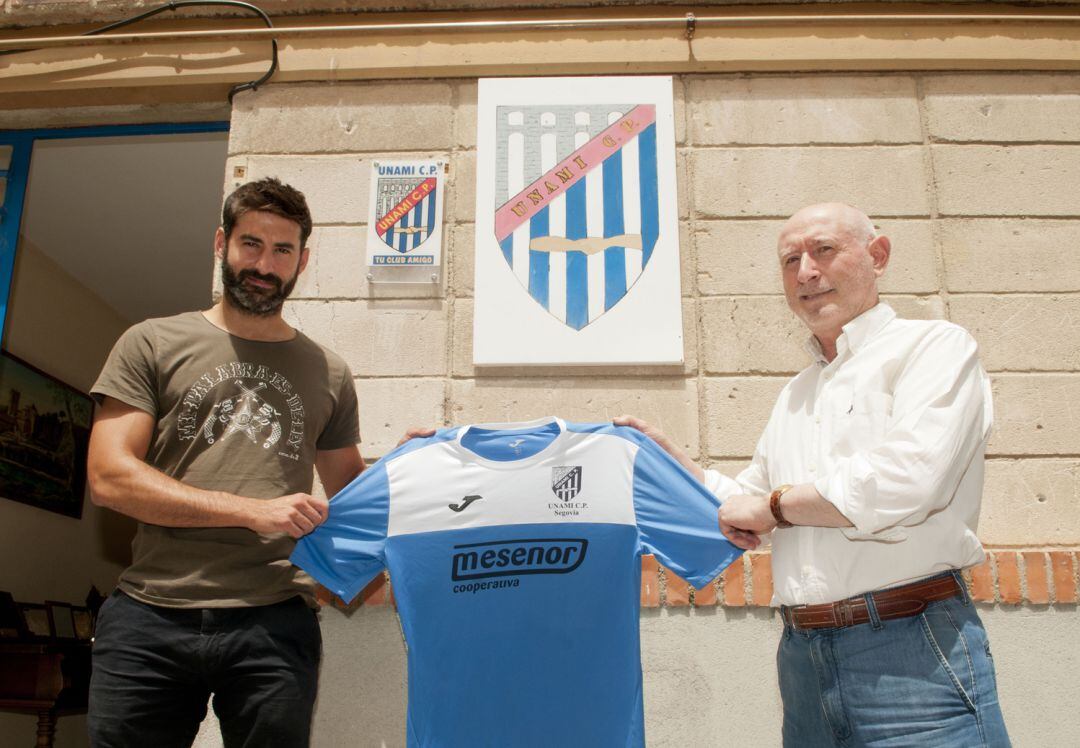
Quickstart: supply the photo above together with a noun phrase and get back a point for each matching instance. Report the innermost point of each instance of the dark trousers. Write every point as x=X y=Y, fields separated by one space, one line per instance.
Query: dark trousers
x=155 y=669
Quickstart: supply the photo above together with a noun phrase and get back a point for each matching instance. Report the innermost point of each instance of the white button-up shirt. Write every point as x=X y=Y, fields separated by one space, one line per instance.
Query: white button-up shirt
x=892 y=432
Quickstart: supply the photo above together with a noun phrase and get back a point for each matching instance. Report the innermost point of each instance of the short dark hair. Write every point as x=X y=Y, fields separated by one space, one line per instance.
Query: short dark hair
x=271 y=195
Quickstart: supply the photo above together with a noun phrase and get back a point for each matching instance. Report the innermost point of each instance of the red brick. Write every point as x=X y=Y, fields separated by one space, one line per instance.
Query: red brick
x=706 y=596
x=1008 y=575
x=1035 y=572
x=761 y=578
x=734 y=586
x=1061 y=564
x=375 y=592
x=650 y=582
x=678 y=591
x=323 y=596
x=982 y=582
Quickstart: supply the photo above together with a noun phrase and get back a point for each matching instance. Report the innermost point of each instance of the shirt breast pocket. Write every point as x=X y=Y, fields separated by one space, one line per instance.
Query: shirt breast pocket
x=861 y=422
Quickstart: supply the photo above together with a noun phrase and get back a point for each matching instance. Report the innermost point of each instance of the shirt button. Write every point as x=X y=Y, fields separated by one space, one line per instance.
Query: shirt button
x=817 y=419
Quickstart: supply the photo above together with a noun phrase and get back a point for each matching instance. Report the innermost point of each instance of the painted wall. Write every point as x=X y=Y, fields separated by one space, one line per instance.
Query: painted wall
x=710 y=678
x=56 y=324
x=59 y=326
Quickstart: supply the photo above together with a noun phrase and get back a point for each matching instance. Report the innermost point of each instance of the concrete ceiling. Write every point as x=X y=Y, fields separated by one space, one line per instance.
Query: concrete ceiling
x=131 y=218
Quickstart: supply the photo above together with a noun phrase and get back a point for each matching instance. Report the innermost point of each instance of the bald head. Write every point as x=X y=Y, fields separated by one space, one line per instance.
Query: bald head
x=847 y=219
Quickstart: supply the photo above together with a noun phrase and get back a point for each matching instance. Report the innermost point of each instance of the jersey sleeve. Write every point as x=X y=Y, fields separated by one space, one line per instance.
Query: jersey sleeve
x=677 y=517
x=344 y=553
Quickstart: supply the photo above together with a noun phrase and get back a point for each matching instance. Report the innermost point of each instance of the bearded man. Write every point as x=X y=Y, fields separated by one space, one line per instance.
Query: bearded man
x=208 y=427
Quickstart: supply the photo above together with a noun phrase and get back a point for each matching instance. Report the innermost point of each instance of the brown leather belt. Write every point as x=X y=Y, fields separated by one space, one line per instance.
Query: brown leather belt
x=895 y=602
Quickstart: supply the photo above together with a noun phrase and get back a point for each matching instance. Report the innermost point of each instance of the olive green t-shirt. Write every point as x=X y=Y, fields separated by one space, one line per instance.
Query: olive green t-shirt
x=233 y=415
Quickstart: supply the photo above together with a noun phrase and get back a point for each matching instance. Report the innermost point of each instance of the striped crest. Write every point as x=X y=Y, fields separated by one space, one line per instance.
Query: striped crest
x=566 y=482
x=577 y=213
x=405 y=210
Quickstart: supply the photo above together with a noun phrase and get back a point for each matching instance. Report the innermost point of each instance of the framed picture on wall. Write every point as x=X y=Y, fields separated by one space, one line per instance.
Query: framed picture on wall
x=61 y=618
x=84 y=623
x=36 y=622
x=44 y=433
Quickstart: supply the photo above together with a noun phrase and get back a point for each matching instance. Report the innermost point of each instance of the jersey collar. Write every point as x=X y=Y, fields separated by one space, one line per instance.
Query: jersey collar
x=522 y=427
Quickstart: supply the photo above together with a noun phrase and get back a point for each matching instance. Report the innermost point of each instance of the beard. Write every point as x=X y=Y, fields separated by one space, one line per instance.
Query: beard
x=257 y=302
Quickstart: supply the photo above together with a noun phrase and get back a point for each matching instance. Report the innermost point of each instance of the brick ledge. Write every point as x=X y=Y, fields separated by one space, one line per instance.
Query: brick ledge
x=1008 y=576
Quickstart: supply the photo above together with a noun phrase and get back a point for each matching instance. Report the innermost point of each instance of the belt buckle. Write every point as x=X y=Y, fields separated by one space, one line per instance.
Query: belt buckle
x=789 y=613
x=842 y=613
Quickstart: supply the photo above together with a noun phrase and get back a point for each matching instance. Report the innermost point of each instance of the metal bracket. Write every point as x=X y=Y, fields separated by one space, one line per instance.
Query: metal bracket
x=691 y=26
x=371 y=279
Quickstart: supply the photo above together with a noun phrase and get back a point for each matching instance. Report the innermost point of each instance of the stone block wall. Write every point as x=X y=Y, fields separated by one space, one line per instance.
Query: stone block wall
x=973 y=176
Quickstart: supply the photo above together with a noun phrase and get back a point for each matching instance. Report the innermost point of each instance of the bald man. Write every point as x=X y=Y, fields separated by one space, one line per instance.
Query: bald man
x=869 y=476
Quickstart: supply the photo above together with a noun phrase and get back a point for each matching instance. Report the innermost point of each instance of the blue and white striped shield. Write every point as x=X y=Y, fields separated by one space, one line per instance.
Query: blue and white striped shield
x=566 y=482
x=405 y=211
x=577 y=213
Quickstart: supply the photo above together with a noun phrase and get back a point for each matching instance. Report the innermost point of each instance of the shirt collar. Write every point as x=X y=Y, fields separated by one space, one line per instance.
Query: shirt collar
x=856 y=332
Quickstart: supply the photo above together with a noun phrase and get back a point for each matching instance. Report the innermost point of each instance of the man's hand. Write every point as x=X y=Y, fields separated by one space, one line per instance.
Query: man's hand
x=663 y=442
x=417 y=431
x=743 y=517
x=648 y=429
x=296 y=514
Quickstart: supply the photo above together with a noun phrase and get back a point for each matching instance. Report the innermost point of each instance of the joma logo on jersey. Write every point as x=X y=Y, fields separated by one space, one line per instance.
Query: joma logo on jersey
x=506 y=558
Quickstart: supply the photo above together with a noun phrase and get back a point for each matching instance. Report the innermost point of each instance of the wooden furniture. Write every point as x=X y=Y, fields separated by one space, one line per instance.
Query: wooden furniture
x=47 y=678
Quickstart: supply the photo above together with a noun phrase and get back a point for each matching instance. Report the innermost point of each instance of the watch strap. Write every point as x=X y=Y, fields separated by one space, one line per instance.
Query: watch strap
x=774 y=506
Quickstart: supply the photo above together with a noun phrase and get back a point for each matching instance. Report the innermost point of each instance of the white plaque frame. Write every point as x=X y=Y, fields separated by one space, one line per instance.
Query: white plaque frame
x=407 y=264
x=510 y=326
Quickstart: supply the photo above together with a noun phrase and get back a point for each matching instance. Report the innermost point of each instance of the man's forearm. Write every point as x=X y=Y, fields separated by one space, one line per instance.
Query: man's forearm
x=803 y=505
x=130 y=486
x=799 y=505
x=681 y=457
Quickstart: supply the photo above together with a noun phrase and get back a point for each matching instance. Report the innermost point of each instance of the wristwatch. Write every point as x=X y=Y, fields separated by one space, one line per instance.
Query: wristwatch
x=774 y=505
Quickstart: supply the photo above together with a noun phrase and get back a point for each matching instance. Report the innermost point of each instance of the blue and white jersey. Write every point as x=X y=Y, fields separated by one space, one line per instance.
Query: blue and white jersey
x=514 y=551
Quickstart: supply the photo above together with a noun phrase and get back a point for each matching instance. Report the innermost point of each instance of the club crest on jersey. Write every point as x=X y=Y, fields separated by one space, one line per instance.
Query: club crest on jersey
x=566 y=482
x=577 y=203
x=405 y=209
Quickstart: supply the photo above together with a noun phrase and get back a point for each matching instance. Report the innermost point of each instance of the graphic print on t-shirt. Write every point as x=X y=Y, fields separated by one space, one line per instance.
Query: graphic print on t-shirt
x=244 y=401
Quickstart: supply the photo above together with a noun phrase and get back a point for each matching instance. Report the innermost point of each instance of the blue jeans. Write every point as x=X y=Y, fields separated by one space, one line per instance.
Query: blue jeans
x=154 y=670
x=925 y=681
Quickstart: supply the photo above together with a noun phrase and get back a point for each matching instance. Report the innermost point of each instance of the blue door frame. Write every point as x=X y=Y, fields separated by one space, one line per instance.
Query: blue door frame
x=18 y=170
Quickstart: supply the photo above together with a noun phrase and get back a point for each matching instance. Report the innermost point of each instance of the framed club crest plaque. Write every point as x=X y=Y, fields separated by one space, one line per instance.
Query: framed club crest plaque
x=405 y=222
x=577 y=236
